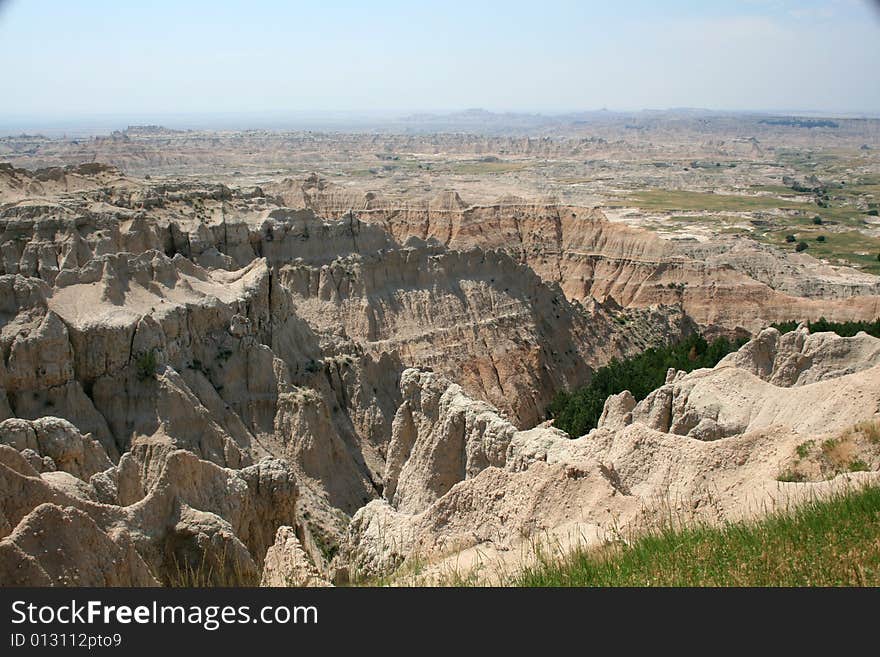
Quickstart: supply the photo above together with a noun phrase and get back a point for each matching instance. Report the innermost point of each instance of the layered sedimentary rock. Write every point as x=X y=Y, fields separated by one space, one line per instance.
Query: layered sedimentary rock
x=710 y=444
x=799 y=357
x=141 y=324
x=468 y=311
x=212 y=387
x=439 y=437
x=590 y=257
x=288 y=565
x=724 y=286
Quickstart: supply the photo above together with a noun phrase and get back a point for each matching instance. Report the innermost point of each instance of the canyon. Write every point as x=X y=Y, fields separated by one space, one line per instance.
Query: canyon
x=291 y=380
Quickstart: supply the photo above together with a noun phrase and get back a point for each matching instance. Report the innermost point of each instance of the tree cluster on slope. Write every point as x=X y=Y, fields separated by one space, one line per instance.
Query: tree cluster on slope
x=578 y=411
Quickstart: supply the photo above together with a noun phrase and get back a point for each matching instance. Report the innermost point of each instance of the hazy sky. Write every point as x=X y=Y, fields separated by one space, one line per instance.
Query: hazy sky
x=66 y=58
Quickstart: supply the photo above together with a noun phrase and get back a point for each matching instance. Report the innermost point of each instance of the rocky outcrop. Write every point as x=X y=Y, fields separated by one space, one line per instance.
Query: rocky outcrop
x=504 y=335
x=590 y=257
x=617 y=412
x=439 y=437
x=62 y=546
x=795 y=274
x=831 y=379
x=728 y=401
x=711 y=444
x=57 y=444
x=196 y=523
x=130 y=342
x=287 y=564
x=799 y=357
x=172 y=245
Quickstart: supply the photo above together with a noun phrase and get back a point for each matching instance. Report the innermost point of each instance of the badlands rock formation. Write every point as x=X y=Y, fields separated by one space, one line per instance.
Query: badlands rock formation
x=287 y=564
x=210 y=386
x=722 y=286
x=798 y=357
x=711 y=444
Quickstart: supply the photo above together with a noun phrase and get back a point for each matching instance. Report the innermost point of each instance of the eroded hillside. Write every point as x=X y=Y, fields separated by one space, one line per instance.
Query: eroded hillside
x=270 y=380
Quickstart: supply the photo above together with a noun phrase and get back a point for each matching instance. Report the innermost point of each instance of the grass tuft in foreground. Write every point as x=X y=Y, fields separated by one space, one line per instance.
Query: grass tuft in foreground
x=830 y=543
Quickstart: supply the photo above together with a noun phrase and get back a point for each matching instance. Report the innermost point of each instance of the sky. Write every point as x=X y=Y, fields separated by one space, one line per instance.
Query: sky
x=102 y=57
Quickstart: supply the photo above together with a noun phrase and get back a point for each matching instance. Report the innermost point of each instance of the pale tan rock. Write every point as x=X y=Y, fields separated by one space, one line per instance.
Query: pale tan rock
x=799 y=357
x=42 y=354
x=72 y=452
x=617 y=411
x=58 y=443
x=739 y=402
x=710 y=444
x=439 y=437
x=19 y=461
x=202 y=549
x=194 y=509
x=193 y=366
x=57 y=546
x=287 y=565
x=18 y=434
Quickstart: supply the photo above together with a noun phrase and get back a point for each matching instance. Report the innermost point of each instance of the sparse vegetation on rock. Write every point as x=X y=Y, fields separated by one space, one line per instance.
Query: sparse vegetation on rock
x=146 y=365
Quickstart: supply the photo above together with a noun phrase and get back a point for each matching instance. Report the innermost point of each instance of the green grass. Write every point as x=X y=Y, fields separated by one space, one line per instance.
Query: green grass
x=671 y=200
x=830 y=543
x=804 y=448
x=841 y=225
x=803 y=160
x=214 y=570
x=475 y=168
x=847 y=247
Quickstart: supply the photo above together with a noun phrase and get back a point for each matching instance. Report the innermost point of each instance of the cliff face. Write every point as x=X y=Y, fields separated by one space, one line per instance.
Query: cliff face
x=143 y=150
x=507 y=335
x=722 y=287
x=742 y=286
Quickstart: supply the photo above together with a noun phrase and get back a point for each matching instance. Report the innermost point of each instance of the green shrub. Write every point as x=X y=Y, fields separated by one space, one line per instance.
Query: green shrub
x=858 y=465
x=146 y=365
x=830 y=444
x=801 y=246
x=843 y=329
x=804 y=448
